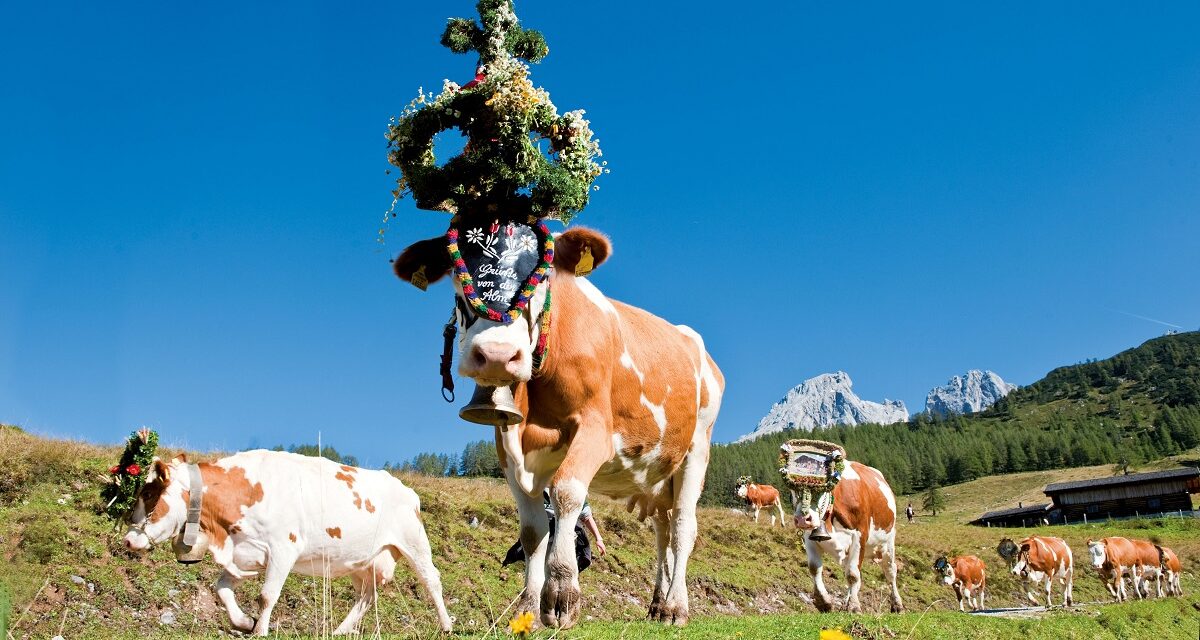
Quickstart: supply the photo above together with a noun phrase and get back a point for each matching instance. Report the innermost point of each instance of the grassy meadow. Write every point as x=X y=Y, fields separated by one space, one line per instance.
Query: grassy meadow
x=67 y=573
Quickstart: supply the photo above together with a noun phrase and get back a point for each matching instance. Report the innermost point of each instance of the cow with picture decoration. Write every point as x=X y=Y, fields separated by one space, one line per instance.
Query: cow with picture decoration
x=1039 y=559
x=760 y=496
x=967 y=575
x=277 y=512
x=606 y=398
x=844 y=509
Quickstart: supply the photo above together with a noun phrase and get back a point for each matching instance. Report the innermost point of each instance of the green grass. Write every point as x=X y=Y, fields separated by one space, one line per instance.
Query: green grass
x=742 y=578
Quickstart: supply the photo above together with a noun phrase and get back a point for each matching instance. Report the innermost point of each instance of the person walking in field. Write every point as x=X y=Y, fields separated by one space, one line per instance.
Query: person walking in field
x=909 y=512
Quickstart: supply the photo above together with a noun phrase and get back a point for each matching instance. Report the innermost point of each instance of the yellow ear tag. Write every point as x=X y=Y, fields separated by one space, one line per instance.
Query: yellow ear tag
x=585 y=264
x=418 y=279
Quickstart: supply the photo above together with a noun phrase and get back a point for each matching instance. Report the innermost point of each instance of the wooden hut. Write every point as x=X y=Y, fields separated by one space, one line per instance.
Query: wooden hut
x=1135 y=494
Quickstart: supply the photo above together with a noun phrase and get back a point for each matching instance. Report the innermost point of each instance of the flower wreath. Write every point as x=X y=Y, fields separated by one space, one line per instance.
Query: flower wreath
x=505 y=119
x=743 y=480
x=835 y=465
x=128 y=475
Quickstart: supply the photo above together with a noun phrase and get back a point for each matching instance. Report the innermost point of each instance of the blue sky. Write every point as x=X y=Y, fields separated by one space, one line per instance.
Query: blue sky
x=189 y=197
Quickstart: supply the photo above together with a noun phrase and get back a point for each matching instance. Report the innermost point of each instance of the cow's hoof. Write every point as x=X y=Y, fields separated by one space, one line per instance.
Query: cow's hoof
x=822 y=603
x=854 y=607
x=897 y=606
x=560 y=604
x=670 y=614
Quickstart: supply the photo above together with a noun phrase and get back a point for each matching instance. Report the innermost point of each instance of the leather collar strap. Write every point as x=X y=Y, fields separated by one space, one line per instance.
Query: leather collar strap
x=191 y=529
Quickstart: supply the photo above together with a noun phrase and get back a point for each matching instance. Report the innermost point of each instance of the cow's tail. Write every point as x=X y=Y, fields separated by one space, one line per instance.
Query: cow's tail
x=1162 y=557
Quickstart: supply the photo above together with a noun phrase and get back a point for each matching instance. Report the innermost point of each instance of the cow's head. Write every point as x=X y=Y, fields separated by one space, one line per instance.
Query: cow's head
x=492 y=353
x=945 y=572
x=1097 y=552
x=809 y=516
x=160 y=511
x=742 y=486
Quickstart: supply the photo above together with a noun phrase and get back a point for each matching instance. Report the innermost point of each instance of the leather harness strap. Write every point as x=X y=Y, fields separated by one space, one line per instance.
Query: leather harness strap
x=191 y=528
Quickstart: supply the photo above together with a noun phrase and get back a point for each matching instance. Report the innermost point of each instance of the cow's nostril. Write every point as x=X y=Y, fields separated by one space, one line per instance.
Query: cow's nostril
x=516 y=357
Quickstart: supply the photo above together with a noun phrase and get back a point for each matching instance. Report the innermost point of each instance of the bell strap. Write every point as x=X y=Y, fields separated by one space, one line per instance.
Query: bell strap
x=191 y=528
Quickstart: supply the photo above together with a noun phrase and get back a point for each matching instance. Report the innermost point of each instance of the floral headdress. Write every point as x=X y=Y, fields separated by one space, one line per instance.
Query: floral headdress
x=744 y=480
x=522 y=157
x=128 y=475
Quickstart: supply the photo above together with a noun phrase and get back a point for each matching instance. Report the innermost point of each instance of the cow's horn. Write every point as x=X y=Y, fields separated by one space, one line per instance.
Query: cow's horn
x=492 y=406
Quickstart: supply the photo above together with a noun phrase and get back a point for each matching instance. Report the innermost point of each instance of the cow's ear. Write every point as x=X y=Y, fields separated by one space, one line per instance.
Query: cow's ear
x=180 y=457
x=573 y=247
x=423 y=263
x=162 y=471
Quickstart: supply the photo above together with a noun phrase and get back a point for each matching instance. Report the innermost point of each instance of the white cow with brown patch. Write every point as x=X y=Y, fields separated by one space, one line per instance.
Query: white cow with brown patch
x=1045 y=558
x=623 y=405
x=862 y=525
x=281 y=512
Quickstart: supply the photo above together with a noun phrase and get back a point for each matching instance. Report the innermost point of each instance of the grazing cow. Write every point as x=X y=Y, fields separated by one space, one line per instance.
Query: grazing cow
x=1172 y=571
x=967 y=574
x=1039 y=558
x=863 y=523
x=279 y=512
x=623 y=404
x=761 y=496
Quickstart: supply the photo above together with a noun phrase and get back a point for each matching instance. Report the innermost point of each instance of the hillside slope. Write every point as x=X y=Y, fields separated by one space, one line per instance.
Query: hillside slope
x=50 y=532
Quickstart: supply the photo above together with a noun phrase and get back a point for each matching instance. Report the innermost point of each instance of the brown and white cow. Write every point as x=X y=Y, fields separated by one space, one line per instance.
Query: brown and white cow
x=863 y=523
x=967 y=575
x=1045 y=558
x=283 y=512
x=1114 y=558
x=1172 y=571
x=1142 y=560
x=623 y=405
x=761 y=496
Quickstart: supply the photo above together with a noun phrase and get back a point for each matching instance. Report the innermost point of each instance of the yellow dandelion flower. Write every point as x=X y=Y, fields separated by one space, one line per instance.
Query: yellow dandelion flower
x=834 y=634
x=523 y=624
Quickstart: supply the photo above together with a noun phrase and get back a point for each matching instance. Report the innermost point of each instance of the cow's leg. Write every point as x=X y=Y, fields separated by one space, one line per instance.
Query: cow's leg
x=821 y=597
x=1069 y=588
x=535 y=536
x=687 y=483
x=590 y=448
x=364 y=588
x=889 y=573
x=852 y=564
x=414 y=545
x=1030 y=587
x=963 y=594
x=225 y=585
x=756 y=510
x=1049 y=590
x=279 y=564
x=779 y=508
x=662 y=577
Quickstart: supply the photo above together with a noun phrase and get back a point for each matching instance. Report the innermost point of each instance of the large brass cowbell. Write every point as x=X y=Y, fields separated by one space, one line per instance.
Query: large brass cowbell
x=494 y=406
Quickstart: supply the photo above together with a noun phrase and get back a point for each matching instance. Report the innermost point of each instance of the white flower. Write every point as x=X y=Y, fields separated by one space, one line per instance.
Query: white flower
x=475 y=235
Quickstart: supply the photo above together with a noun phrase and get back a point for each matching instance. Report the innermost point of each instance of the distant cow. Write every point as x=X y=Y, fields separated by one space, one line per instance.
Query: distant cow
x=1143 y=561
x=279 y=512
x=1042 y=558
x=967 y=574
x=1114 y=558
x=1172 y=571
x=863 y=523
x=761 y=496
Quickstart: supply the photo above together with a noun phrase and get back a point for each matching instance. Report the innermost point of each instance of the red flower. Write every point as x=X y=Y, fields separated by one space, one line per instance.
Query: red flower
x=115 y=469
x=133 y=470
